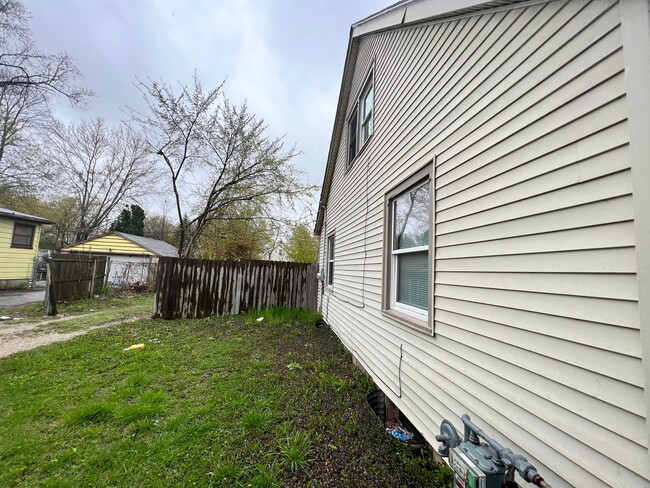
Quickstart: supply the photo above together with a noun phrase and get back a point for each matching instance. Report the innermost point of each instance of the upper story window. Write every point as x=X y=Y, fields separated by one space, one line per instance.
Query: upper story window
x=367 y=103
x=352 y=136
x=23 y=236
x=360 y=123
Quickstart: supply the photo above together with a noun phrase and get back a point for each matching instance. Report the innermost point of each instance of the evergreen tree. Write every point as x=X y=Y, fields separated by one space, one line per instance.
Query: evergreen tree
x=130 y=221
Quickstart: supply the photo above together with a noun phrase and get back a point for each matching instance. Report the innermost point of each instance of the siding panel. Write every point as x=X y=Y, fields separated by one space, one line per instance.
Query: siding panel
x=536 y=315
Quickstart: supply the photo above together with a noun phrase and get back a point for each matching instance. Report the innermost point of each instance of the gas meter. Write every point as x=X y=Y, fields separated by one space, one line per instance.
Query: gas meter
x=466 y=473
x=486 y=464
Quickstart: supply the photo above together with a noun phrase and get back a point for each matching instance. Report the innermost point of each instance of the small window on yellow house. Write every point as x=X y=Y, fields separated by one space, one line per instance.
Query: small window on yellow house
x=23 y=236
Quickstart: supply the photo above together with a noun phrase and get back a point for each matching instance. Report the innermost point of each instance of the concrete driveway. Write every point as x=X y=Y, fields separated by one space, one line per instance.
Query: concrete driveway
x=14 y=298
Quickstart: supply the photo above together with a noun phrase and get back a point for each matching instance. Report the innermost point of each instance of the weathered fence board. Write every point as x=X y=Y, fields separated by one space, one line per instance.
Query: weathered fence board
x=72 y=276
x=194 y=288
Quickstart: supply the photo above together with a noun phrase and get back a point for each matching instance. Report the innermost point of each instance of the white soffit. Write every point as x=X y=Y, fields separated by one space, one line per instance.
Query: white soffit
x=414 y=11
x=386 y=20
x=419 y=10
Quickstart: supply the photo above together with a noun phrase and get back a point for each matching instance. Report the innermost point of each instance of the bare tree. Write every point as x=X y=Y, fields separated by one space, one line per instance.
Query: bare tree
x=217 y=156
x=24 y=118
x=101 y=167
x=23 y=64
x=29 y=80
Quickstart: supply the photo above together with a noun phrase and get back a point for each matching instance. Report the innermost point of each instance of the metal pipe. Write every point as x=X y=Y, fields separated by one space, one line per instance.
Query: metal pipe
x=474 y=428
x=519 y=462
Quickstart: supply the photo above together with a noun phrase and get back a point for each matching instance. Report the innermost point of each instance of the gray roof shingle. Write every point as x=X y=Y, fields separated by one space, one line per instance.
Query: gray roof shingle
x=161 y=248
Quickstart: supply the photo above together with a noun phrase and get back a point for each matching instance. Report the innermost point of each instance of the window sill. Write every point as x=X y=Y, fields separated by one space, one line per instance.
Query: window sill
x=421 y=325
x=18 y=246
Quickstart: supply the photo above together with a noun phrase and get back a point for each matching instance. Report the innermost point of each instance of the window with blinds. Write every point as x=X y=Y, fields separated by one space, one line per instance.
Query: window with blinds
x=410 y=250
x=408 y=267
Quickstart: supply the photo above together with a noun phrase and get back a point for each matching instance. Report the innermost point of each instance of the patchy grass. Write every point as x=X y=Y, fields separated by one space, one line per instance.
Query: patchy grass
x=116 y=304
x=82 y=314
x=209 y=402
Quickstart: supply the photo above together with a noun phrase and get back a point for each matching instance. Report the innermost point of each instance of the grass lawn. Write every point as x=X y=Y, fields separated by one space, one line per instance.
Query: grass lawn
x=92 y=311
x=213 y=402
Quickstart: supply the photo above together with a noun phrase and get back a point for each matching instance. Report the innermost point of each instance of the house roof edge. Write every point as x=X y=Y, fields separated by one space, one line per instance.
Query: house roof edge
x=401 y=14
x=12 y=214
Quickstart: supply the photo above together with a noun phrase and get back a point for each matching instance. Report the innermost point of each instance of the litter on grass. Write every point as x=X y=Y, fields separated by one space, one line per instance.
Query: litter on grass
x=4 y=317
x=134 y=347
x=259 y=319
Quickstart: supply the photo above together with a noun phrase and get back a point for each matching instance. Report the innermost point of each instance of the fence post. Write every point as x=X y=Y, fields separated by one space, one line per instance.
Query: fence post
x=34 y=265
x=50 y=298
x=108 y=270
x=92 y=279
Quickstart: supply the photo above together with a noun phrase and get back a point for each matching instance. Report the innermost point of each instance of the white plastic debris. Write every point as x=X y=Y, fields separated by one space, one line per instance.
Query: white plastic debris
x=4 y=317
x=259 y=319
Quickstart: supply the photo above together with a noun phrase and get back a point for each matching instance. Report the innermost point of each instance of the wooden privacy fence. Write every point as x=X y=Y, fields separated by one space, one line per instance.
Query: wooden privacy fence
x=72 y=276
x=194 y=288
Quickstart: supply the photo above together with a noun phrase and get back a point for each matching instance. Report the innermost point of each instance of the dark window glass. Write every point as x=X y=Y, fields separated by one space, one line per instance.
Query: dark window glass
x=330 y=260
x=352 y=136
x=23 y=236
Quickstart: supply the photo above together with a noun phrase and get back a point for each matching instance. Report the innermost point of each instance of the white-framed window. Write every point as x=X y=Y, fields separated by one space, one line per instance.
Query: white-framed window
x=330 y=260
x=360 y=120
x=367 y=104
x=407 y=261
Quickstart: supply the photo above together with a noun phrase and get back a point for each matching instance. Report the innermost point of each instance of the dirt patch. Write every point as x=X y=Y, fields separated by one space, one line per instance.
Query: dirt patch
x=23 y=337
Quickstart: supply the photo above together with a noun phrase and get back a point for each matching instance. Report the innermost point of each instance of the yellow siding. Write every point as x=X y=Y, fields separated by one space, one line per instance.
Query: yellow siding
x=16 y=264
x=109 y=244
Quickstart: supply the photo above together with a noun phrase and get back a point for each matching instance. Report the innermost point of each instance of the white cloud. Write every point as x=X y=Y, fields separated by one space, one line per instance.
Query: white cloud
x=285 y=57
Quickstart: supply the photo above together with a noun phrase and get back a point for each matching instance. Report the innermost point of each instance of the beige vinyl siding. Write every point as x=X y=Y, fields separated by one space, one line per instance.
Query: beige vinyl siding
x=536 y=314
x=15 y=263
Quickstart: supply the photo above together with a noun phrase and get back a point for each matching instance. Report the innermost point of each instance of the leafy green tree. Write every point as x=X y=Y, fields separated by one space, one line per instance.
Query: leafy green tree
x=64 y=215
x=159 y=226
x=130 y=221
x=243 y=236
x=61 y=211
x=224 y=150
x=302 y=245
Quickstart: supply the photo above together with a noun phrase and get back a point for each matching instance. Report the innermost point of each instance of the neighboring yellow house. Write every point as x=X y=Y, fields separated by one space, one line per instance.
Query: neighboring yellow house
x=130 y=256
x=19 y=235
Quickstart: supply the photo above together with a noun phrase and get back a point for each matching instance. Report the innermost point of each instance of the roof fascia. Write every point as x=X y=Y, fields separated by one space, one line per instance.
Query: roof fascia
x=337 y=130
x=33 y=219
x=402 y=14
x=412 y=12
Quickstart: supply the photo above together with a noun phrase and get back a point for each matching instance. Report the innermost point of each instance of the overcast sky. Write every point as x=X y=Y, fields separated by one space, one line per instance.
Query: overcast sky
x=284 y=56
